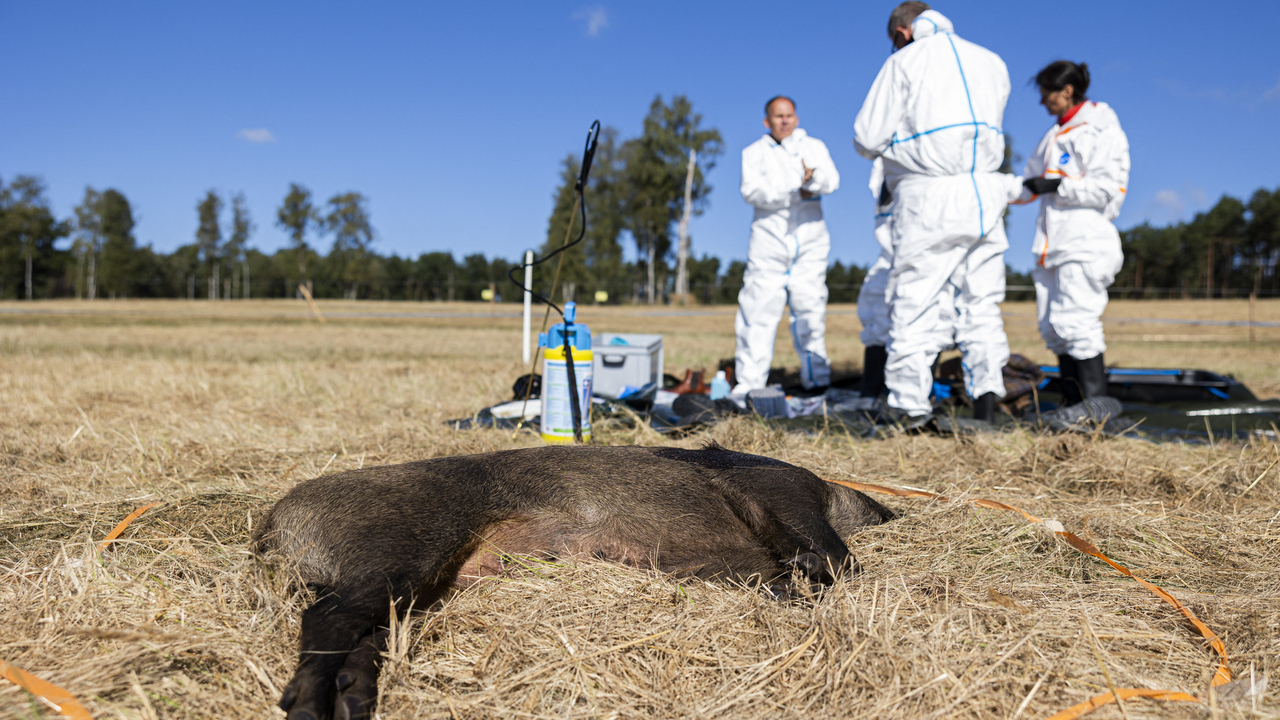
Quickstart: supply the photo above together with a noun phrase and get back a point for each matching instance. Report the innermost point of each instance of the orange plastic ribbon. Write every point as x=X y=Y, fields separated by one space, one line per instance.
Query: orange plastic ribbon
x=1098 y=701
x=124 y=524
x=60 y=699
x=1221 y=675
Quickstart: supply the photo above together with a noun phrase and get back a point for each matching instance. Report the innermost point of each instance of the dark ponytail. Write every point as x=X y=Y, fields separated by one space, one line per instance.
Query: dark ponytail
x=1061 y=73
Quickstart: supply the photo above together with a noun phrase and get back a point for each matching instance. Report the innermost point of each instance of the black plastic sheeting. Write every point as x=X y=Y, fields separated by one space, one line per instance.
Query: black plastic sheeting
x=1188 y=405
x=1159 y=405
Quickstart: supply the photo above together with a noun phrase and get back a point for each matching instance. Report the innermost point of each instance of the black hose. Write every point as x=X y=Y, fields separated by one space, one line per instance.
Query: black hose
x=579 y=188
x=574 y=406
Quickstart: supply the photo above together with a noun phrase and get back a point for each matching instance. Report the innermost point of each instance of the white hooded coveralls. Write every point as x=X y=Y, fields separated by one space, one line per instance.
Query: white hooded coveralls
x=934 y=114
x=786 y=259
x=1077 y=248
x=873 y=306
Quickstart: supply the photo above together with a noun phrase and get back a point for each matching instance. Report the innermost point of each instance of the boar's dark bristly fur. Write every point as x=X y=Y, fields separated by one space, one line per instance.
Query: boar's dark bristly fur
x=406 y=534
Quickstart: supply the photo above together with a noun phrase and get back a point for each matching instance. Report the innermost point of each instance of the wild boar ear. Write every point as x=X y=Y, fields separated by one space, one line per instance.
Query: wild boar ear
x=713 y=445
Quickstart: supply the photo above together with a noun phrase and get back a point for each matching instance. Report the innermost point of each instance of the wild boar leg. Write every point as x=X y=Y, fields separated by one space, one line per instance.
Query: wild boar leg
x=332 y=629
x=357 y=682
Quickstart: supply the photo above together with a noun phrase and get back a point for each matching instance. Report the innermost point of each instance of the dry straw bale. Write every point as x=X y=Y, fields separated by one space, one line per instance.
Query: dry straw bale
x=960 y=611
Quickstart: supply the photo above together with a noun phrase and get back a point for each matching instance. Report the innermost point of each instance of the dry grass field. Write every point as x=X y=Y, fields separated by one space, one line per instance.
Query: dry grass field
x=214 y=410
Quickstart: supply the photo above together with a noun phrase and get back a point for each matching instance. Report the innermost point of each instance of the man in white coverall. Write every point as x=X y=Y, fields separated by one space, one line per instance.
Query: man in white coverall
x=934 y=115
x=784 y=175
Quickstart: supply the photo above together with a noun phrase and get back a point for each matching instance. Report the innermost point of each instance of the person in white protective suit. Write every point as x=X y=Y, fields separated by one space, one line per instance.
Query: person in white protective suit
x=934 y=116
x=873 y=306
x=1079 y=171
x=784 y=175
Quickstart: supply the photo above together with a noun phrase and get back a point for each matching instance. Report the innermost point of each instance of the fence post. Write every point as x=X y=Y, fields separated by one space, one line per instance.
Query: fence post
x=1253 y=316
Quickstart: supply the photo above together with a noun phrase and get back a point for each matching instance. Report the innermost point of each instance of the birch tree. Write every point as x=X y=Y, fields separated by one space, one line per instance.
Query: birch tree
x=656 y=172
x=28 y=230
x=209 y=238
x=348 y=222
x=296 y=216
x=88 y=242
x=682 y=251
x=234 y=250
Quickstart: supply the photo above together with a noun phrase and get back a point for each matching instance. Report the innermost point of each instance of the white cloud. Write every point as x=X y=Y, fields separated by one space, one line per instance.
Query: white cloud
x=1171 y=205
x=597 y=19
x=1272 y=93
x=1247 y=98
x=257 y=136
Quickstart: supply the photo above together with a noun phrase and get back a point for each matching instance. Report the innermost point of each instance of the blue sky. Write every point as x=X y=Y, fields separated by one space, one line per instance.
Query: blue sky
x=453 y=117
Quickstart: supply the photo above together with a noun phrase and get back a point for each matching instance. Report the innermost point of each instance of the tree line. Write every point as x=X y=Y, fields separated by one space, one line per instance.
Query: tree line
x=1230 y=250
x=104 y=260
x=636 y=194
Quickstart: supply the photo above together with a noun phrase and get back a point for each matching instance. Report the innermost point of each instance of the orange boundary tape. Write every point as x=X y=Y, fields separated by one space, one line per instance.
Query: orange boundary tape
x=60 y=699
x=124 y=524
x=1221 y=675
x=1098 y=701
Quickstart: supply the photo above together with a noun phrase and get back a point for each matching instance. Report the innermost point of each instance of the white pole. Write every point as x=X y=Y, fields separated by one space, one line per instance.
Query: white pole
x=682 y=251
x=528 y=303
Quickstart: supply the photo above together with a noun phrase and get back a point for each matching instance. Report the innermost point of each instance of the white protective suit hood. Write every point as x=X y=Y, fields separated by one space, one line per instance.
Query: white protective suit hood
x=929 y=23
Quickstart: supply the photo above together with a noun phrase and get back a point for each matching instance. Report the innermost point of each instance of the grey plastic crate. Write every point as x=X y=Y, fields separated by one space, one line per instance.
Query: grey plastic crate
x=636 y=363
x=768 y=402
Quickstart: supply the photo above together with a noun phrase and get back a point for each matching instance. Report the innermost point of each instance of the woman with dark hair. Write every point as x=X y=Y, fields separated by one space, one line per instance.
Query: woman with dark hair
x=1079 y=171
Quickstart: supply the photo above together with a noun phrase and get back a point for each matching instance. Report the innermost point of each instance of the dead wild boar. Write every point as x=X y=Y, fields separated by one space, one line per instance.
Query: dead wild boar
x=406 y=534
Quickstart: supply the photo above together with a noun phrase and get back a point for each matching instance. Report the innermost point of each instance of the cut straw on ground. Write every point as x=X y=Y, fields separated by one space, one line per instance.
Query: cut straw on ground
x=214 y=410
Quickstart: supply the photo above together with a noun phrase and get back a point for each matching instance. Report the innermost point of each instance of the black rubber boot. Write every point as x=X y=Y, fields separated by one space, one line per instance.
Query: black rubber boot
x=1093 y=376
x=1069 y=379
x=874 y=358
x=984 y=408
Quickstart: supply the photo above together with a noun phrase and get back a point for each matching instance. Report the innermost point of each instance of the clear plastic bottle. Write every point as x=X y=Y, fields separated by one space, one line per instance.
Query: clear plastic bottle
x=719 y=386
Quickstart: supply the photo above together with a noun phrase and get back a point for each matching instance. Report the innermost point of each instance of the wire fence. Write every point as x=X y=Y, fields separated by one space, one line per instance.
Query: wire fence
x=723 y=291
